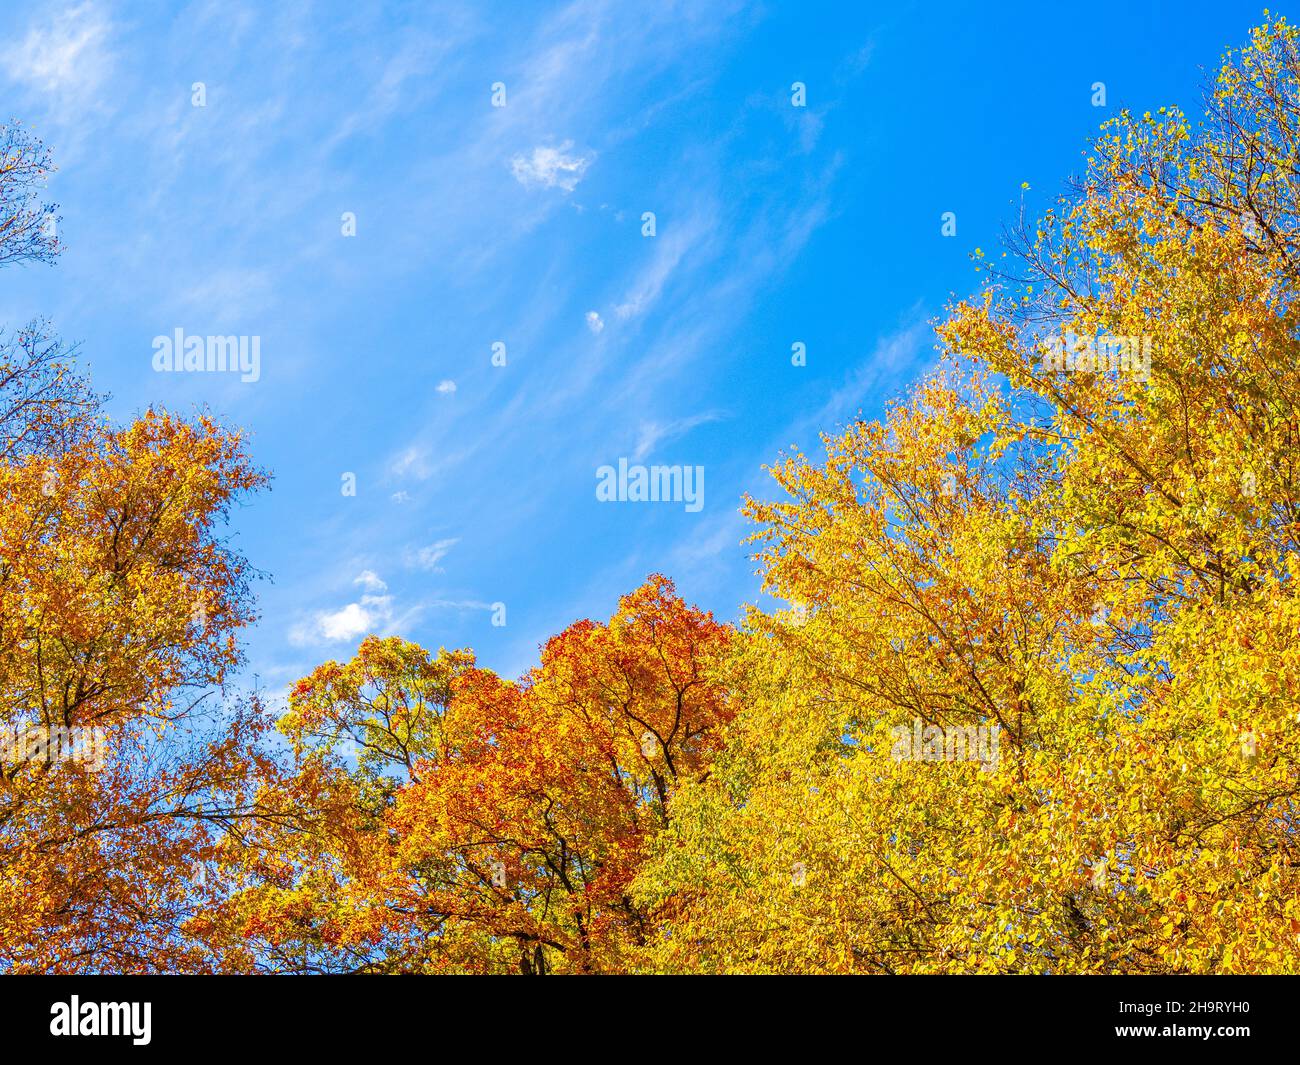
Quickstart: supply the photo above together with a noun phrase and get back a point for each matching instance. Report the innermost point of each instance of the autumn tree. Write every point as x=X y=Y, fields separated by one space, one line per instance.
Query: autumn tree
x=467 y=823
x=1080 y=534
x=119 y=606
x=28 y=227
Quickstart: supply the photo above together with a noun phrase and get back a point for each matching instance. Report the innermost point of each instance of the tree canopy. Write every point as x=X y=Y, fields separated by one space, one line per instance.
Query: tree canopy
x=1032 y=703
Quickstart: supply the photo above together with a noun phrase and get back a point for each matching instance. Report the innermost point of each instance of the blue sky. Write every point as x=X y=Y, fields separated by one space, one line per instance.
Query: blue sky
x=475 y=224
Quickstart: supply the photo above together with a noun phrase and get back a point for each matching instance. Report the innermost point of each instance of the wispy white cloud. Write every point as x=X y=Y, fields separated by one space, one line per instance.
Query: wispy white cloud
x=446 y=388
x=892 y=357
x=413 y=462
x=429 y=556
x=721 y=534
x=67 y=55
x=460 y=604
x=398 y=87
x=370 y=581
x=670 y=248
x=594 y=322
x=652 y=434
x=418 y=460
x=227 y=293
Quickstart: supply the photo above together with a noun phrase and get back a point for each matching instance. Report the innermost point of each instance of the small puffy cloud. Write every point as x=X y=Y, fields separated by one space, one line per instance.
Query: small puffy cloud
x=353 y=620
x=552 y=168
x=371 y=613
x=429 y=557
x=594 y=322
x=401 y=497
x=446 y=388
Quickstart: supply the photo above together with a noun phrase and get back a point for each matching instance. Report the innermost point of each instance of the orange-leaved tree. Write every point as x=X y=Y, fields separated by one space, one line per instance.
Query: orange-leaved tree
x=119 y=605
x=466 y=823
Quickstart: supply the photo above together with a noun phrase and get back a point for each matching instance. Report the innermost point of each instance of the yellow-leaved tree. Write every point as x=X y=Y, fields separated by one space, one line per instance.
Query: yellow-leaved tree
x=1036 y=705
